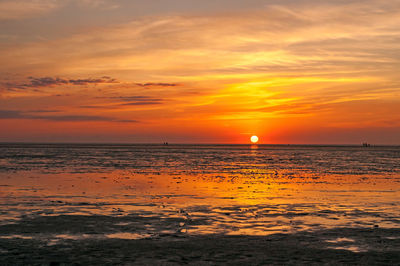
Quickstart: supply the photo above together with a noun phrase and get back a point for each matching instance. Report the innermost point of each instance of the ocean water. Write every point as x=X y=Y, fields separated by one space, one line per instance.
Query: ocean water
x=69 y=193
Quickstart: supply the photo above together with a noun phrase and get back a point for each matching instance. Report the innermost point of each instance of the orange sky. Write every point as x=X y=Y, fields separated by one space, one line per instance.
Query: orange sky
x=200 y=71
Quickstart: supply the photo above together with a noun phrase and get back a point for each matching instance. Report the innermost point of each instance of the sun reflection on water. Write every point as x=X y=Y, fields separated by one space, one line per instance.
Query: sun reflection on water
x=260 y=202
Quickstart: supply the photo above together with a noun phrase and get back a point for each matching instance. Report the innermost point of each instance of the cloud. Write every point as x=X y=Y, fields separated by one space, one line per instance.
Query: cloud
x=137 y=100
x=127 y=121
x=277 y=38
x=14 y=114
x=10 y=114
x=141 y=103
x=17 y=9
x=44 y=82
x=157 y=84
x=120 y=101
x=74 y=118
x=22 y=9
x=43 y=111
x=49 y=81
x=103 y=4
x=93 y=107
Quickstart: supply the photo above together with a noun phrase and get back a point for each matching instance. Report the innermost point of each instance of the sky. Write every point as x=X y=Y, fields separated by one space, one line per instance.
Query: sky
x=190 y=71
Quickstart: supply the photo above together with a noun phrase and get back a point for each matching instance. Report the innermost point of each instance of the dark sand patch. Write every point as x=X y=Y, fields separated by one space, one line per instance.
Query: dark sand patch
x=299 y=249
x=99 y=240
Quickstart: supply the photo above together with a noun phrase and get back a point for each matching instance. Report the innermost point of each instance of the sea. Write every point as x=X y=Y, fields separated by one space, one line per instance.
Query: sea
x=199 y=204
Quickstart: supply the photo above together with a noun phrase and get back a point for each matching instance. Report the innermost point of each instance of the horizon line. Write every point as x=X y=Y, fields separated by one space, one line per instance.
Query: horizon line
x=180 y=143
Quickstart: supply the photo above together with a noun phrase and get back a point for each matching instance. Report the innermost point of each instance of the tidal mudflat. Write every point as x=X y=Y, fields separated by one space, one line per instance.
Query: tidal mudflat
x=199 y=204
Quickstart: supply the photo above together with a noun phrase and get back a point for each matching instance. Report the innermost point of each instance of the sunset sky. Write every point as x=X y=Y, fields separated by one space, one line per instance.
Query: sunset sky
x=191 y=71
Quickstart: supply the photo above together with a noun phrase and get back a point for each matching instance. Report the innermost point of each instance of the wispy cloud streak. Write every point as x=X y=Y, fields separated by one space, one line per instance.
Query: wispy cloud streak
x=15 y=114
x=44 y=82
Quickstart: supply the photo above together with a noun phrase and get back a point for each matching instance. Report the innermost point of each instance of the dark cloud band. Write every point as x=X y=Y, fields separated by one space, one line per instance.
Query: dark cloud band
x=44 y=82
x=13 y=114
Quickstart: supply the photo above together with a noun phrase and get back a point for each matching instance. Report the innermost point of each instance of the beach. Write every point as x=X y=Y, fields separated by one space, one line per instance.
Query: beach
x=83 y=204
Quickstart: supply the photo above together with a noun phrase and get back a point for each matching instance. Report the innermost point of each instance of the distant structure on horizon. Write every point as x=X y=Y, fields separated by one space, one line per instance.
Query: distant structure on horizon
x=366 y=144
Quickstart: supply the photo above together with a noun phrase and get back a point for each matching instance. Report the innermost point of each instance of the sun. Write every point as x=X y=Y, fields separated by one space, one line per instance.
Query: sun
x=254 y=139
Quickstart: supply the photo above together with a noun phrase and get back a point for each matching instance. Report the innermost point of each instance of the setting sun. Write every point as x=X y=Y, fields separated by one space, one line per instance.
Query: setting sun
x=254 y=139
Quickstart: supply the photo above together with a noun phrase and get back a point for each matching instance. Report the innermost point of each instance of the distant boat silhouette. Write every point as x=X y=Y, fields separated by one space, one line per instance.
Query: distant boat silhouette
x=366 y=144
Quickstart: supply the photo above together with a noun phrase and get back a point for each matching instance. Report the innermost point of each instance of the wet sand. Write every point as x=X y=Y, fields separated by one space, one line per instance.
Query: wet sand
x=258 y=206
x=84 y=225
x=175 y=249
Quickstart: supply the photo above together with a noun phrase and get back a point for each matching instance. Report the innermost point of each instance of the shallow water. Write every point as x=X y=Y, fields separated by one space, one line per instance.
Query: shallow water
x=54 y=193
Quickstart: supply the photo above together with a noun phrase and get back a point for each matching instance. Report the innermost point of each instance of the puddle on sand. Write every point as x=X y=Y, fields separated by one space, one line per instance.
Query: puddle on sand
x=72 y=237
x=353 y=248
x=127 y=235
x=340 y=239
x=392 y=237
x=346 y=244
x=16 y=236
